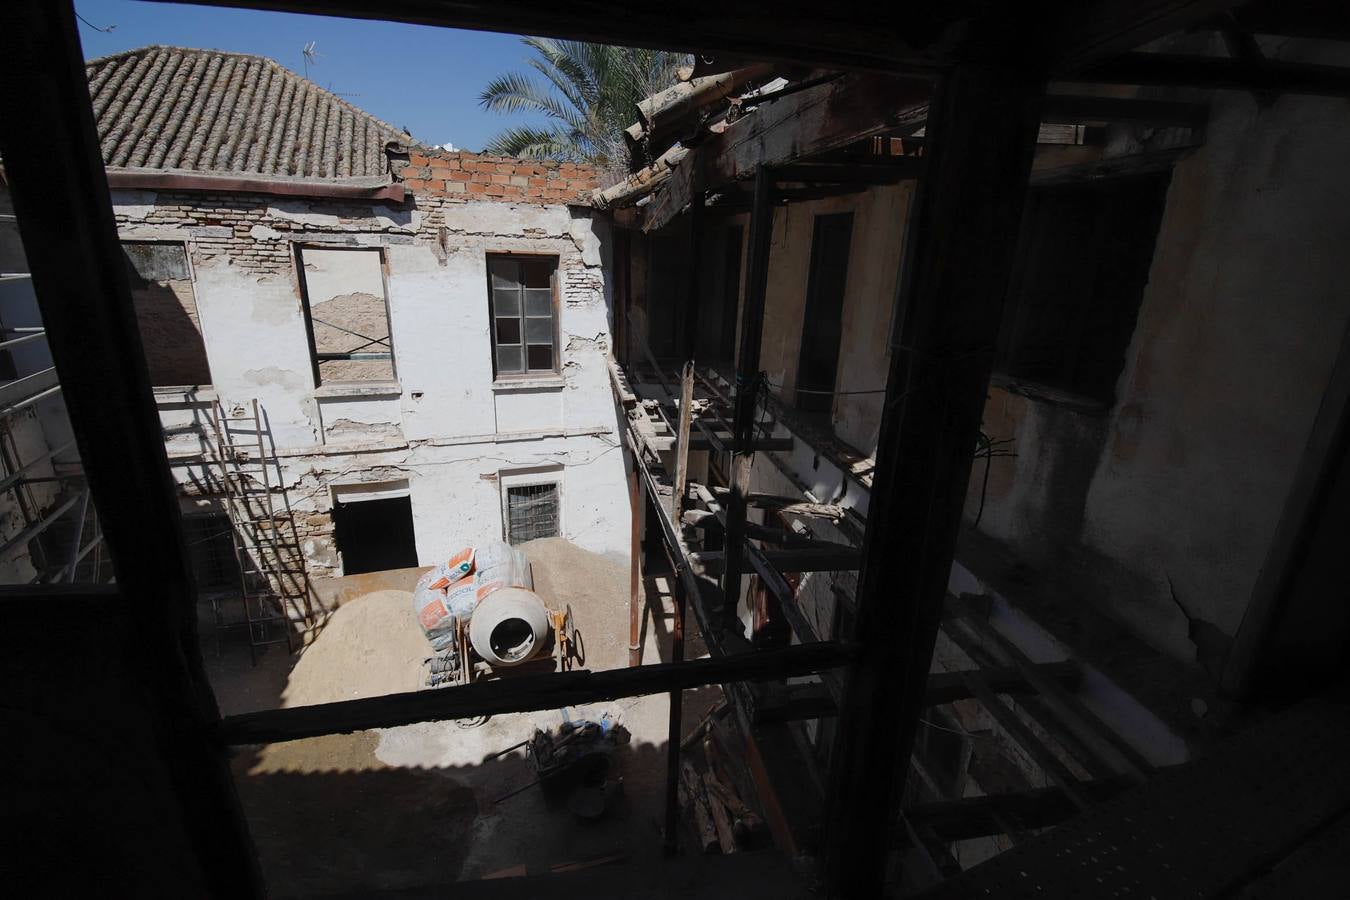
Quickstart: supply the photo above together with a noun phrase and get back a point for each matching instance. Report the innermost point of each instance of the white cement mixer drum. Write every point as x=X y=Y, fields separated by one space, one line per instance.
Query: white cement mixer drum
x=509 y=627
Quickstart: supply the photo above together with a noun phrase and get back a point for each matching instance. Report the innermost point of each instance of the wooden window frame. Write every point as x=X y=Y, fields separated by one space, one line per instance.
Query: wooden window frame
x=554 y=311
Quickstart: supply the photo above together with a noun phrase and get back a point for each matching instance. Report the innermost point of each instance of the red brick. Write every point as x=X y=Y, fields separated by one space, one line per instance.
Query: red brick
x=476 y=188
x=512 y=190
x=504 y=168
x=501 y=179
x=495 y=190
x=423 y=186
x=441 y=162
x=417 y=159
x=459 y=176
x=538 y=182
x=414 y=172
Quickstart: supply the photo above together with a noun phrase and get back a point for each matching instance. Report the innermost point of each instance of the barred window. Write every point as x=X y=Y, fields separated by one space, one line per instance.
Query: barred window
x=531 y=512
x=523 y=297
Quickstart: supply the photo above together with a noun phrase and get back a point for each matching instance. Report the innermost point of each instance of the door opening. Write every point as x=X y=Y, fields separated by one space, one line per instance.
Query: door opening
x=374 y=535
x=822 y=327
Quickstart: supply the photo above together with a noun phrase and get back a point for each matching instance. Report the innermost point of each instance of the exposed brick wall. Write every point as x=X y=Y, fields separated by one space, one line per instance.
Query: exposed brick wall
x=475 y=176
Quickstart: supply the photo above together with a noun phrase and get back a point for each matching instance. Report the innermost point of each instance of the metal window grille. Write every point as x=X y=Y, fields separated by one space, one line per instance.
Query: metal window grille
x=531 y=512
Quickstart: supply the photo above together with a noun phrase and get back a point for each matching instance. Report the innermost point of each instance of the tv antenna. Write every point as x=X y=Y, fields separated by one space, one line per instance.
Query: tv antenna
x=311 y=56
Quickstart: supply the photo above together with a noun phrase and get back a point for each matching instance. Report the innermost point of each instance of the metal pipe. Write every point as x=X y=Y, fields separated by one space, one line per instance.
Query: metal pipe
x=37 y=528
x=17 y=474
x=5 y=345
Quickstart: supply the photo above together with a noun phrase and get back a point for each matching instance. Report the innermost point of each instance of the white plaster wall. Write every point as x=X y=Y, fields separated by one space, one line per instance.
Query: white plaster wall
x=879 y=216
x=441 y=426
x=1183 y=481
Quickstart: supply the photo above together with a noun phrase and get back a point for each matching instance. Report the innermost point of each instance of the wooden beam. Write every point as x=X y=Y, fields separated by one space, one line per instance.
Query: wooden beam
x=1083 y=32
x=864 y=173
x=747 y=392
x=637 y=507
x=948 y=687
x=814 y=121
x=79 y=276
x=525 y=693
x=799 y=559
x=973 y=817
x=963 y=223
x=1218 y=72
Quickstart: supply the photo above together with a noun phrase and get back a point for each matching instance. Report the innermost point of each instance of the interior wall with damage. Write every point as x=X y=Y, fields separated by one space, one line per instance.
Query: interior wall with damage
x=1168 y=498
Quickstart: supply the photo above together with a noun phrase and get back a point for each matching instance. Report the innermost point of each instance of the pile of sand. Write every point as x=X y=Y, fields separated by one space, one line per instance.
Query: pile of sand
x=373 y=645
x=595 y=586
x=369 y=647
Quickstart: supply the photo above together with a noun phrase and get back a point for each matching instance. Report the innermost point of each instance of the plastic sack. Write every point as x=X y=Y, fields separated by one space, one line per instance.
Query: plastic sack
x=433 y=610
x=500 y=565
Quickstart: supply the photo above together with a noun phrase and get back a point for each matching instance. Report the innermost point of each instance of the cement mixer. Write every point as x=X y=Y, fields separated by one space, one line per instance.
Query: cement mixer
x=482 y=617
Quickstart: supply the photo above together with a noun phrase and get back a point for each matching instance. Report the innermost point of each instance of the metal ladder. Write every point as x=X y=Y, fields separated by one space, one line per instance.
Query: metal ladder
x=273 y=582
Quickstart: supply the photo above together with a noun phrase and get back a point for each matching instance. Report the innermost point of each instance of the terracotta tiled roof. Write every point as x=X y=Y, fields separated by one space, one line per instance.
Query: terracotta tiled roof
x=171 y=108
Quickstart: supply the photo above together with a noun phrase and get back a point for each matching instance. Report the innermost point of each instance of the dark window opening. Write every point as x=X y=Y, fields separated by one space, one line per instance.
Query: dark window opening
x=375 y=535
x=523 y=293
x=822 y=324
x=531 y=512
x=166 y=313
x=1083 y=262
x=731 y=289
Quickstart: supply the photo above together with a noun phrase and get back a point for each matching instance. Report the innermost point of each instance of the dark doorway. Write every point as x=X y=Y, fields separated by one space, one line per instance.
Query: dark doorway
x=822 y=326
x=731 y=290
x=374 y=535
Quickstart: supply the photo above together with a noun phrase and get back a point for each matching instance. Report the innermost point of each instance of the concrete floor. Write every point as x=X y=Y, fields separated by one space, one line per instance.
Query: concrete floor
x=416 y=806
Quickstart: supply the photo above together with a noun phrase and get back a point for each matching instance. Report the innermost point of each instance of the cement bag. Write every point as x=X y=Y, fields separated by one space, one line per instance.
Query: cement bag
x=499 y=565
x=433 y=612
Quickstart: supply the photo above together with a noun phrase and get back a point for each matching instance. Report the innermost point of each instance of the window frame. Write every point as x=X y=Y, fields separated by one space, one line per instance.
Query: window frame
x=555 y=287
x=125 y=239
x=1069 y=389
x=302 y=284
x=532 y=477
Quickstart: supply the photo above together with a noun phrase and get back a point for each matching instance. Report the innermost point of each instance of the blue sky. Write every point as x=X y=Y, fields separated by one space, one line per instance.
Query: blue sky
x=424 y=79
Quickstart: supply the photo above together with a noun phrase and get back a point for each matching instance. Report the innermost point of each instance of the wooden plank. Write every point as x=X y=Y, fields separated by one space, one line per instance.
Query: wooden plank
x=962 y=229
x=1021 y=732
x=800 y=559
x=1083 y=722
x=525 y=693
x=948 y=687
x=682 y=440
x=636 y=508
x=79 y=276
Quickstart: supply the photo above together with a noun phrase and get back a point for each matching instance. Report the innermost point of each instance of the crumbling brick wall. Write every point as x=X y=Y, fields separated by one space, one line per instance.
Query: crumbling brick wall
x=475 y=176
